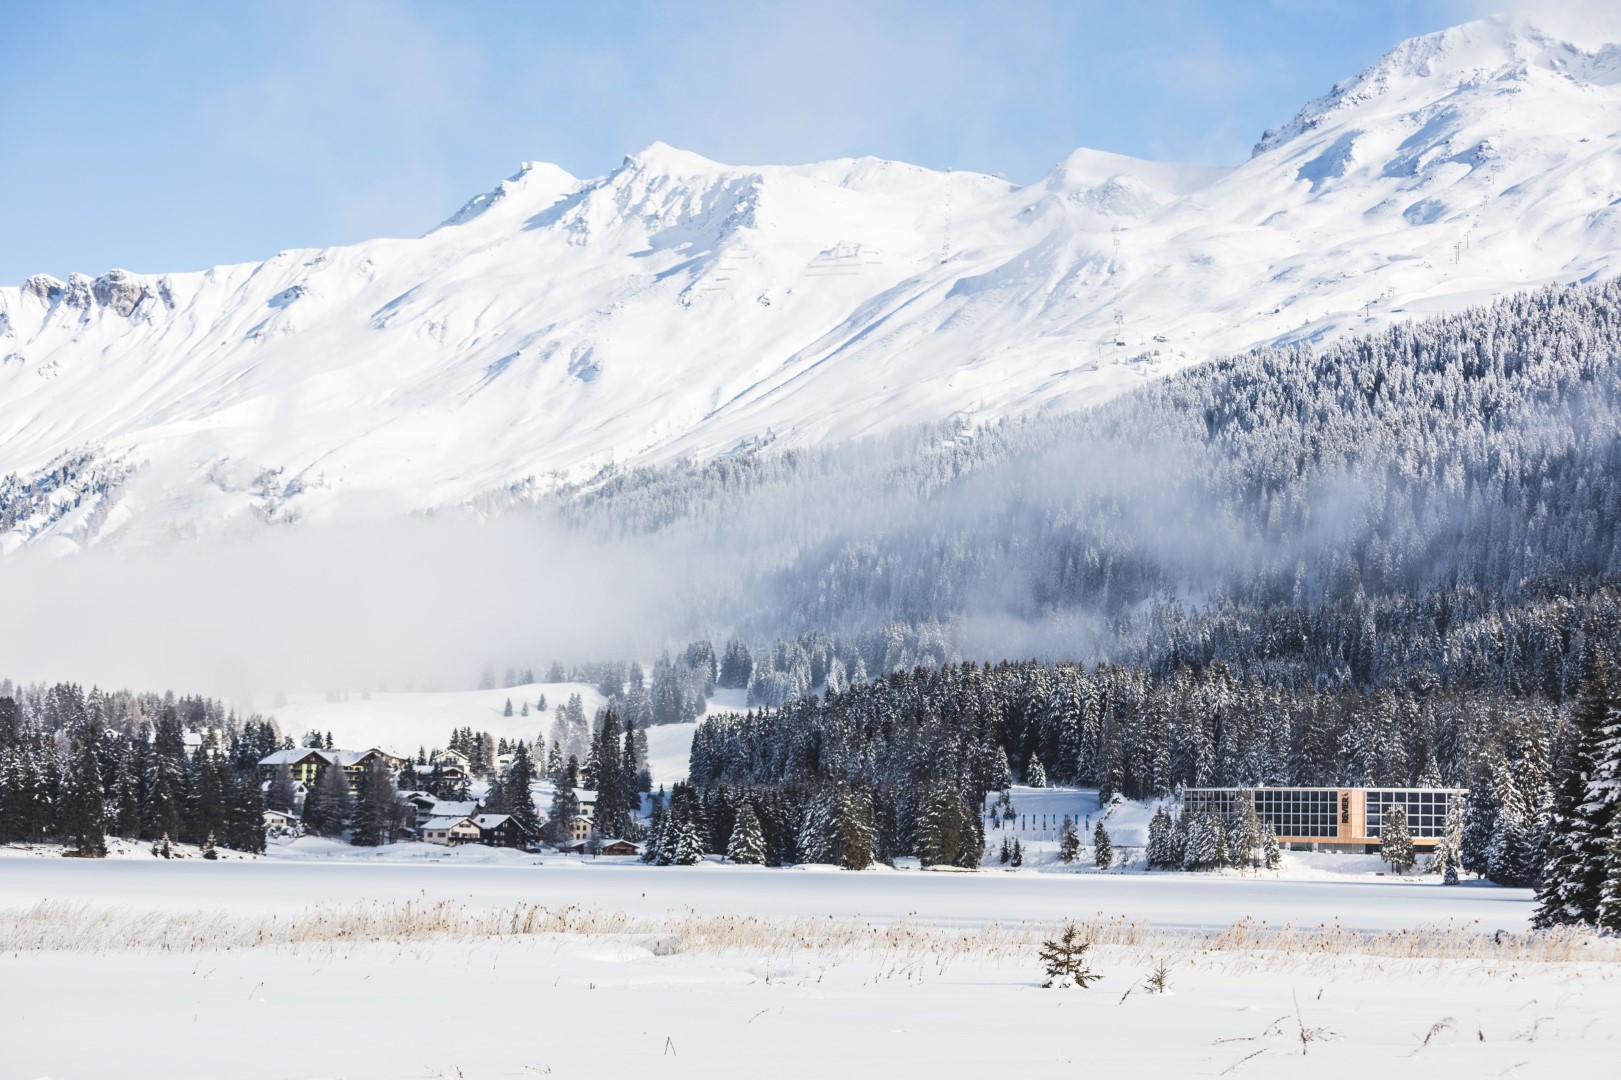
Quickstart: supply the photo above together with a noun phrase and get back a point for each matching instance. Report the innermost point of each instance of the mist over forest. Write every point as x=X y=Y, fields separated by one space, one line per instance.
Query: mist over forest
x=1431 y=500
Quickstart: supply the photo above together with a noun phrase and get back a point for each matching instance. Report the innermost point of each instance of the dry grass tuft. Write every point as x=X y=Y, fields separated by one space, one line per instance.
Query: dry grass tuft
x=899 y=950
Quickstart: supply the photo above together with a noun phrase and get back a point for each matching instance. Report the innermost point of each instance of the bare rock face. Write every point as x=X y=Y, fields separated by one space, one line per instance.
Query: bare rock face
x=117 y=290
x=52 y=291
x=121 y=291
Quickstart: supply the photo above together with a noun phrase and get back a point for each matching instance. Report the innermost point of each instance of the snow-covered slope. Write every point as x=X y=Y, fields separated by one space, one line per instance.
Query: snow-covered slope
x=682 y=307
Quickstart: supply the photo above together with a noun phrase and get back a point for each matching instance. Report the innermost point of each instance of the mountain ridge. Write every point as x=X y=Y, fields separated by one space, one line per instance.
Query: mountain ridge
x=681 y=307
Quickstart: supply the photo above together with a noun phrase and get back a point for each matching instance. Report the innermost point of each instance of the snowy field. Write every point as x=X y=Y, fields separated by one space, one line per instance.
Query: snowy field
x=571 y=967
x=417 y=961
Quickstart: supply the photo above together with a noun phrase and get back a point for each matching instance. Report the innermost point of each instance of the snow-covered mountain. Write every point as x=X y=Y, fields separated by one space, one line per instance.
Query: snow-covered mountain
x=680 y=307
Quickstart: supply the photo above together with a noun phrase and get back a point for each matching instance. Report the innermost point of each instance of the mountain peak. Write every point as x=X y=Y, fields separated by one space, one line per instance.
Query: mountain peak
x=542 y=178
x=1499 y=49
x=661 y=157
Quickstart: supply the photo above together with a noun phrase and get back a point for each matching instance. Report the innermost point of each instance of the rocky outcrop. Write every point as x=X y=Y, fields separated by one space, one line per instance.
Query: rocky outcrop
x=117 y=290
x=121 y=291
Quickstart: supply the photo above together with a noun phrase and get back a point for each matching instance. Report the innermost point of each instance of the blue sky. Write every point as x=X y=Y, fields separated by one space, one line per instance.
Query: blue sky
x=175 y=135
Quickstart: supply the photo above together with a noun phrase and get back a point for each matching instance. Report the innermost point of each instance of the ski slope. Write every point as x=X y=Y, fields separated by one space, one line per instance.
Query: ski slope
x=682 y=307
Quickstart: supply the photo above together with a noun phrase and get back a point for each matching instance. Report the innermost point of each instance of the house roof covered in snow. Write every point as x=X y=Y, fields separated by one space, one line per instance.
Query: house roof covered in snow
x=297 y=754
x=445 y=823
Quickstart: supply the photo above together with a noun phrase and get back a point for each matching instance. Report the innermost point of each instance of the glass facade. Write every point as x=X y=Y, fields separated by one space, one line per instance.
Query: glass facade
x=1303 y=812
x=1426 y=810
x=1344 y=814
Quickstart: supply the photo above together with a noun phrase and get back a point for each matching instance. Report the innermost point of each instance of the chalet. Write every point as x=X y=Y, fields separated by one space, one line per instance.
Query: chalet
x=451 y=831
x=501 y=830
x=280 y=821
x=305 y=763
x=606 y=847
x=467 y=809
x=444 y=770
x=420 y=802
x=580 y=828
x=451 y=759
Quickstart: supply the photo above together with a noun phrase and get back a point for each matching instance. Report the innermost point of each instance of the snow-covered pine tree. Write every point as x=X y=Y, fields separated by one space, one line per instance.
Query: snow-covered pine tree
x=1069 y=840
x=941 y=831
x=1580 y=818
x=244 y=814
x=1271 y=857
x=816 y=829
x=853 y=829
x=1065 y=960
x=566 y=807
x=281 y=795
x=747 y=845
x=1016 y=856
x=1035 y=774
x=1396 y=841
x=520 y=794
x=1161 y=844
x=376 y=806
x=682 y=843
x=681 y=839
x=1244 y=833
x=1205 y=846
x=1512 y=857
x=166 y=782
x=1609 y=902
x=1479 y=820
x=1102 y=847
x=328 y=806
x=84 y=816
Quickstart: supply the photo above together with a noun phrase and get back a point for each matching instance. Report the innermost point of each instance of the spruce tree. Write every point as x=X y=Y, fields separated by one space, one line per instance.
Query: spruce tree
x=565 y=806
x=126 y=790
x=328 y=806
x=520 y=795
x=1102 y=847
x=853 y=829
x=1271 y=857
x=1244 y=833
x=1069 y=840
x=940 y=835
x=1034 y=774
x=376 y=807
x=1396 y=841
x=1065 y=960
x=210 y=775
x=747 y=844
x=681 y=839
x=280 y=795
x=166 y=785
x=1609 y=903
x=1206 y=843
x=84 y=816
x=1479 y=817
x=244 y=813
x=1161 y=846
x=1580 y=819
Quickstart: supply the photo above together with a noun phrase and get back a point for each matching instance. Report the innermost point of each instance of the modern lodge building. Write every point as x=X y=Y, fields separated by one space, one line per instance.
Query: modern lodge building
x=1333 y=819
